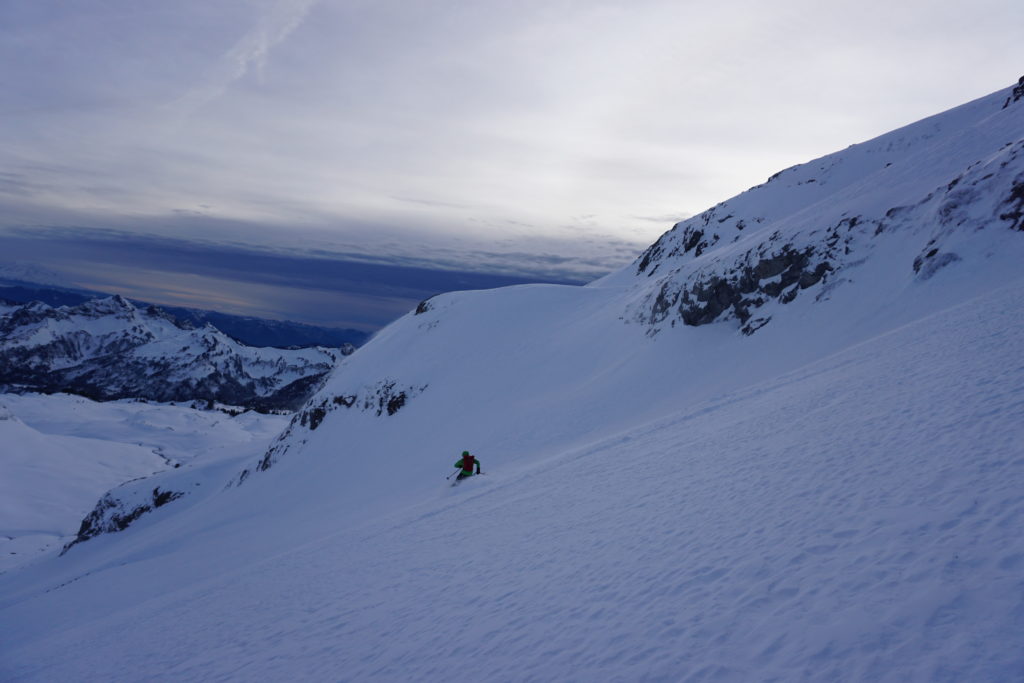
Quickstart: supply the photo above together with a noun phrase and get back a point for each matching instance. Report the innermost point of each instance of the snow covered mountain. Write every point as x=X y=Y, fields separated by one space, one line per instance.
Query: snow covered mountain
x=109 y=349
x=785 y=444
x=927 y=188
x=26 y=284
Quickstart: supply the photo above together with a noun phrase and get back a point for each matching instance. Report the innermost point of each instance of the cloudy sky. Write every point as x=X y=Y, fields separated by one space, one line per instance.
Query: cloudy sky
x=546 y=139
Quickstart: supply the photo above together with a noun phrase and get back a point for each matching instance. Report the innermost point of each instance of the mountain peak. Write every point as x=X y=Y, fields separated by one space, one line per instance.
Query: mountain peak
x=115 y=305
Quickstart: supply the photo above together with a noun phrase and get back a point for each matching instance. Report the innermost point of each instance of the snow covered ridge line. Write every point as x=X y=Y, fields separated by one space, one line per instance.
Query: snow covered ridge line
x=383 y=399
x=807 y=227
x=108 y=349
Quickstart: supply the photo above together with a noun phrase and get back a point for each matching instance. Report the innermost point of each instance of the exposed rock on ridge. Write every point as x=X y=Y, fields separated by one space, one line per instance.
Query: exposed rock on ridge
x=809 y=226
x=113 y=514
x=384 y=399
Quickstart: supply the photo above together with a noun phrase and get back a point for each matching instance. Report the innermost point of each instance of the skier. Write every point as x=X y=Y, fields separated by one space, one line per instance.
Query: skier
x=466 y=462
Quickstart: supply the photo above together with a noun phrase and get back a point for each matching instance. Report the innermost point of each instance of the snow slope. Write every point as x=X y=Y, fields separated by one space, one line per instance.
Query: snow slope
x=835 y=493
x=48 y=483
x=857 y=519
x=61 y=453
x=917 y=194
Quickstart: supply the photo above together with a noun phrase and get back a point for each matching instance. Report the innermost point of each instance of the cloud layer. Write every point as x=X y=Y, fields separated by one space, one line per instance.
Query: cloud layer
x=331 y=289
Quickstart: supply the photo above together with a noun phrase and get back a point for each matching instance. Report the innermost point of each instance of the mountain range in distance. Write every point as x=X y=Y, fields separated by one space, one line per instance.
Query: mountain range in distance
x=18 y=289
x=110 y=349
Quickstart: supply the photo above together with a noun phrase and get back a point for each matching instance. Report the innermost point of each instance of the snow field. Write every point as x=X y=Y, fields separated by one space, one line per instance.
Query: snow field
x=61 y=453
x=858 y=519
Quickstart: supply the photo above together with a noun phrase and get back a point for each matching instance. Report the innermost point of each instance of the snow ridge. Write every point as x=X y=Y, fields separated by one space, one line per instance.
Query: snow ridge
x=808 y=226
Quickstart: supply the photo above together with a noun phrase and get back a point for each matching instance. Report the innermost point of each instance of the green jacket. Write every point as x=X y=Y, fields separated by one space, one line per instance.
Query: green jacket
x=467 y=467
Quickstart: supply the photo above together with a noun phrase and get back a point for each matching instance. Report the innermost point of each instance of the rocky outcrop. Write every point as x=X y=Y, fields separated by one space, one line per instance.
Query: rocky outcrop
x=769 y=272
x=694 y=236
x=807 y=228
x=1016 y=94
x=423 y=307
x=1014 y=204
x=113 y=514
x=383 y=399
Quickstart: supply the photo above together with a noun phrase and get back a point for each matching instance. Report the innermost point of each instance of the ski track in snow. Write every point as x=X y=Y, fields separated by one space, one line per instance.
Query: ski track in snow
x=832 y=524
